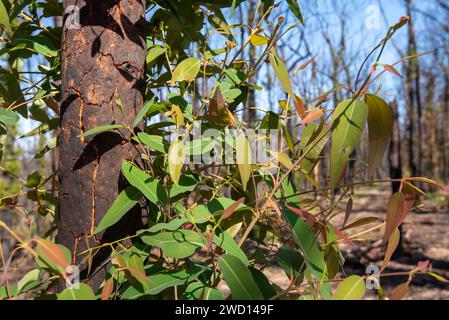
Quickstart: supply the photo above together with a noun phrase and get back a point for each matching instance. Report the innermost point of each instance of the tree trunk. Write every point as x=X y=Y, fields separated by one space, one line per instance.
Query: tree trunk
x=394 y=155
x=102 y=59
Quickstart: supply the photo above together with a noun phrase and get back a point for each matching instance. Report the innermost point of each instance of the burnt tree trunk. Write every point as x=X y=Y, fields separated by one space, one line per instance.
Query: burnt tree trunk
x=101 y=59
x=394 y=154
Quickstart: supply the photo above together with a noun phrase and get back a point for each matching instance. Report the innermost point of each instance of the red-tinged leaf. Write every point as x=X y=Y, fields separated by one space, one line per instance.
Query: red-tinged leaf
x=361 y=222
x=410 y=198
x=140 y=276
x=343 y=236
x=299 y=104
x=312 y=115
x=395 y=214
x=306 y=216
x=306 y=64
x=108 y=287
x=210 y=240
x=400 y=291
x=229 y=211
x=392 y=70
x=51 y=254
x=391 y=248
x=380 y=125
x=347 y=211
x=423 y=266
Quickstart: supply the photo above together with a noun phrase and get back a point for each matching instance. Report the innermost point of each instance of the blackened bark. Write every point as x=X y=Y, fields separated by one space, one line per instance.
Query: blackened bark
x=102 y=58
x=394 y=155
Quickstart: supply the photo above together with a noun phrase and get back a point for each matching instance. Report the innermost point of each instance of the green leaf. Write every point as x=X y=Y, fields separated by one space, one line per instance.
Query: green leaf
x=391 y=248
x=160 y=282
x=29 y=281
x=263 y=284
x=228 y=244
x=306 y=240
x=281 y=73
x=100 y=129
x=173 y=225
x=153 y=54
x=352 y=288
x=294 y=7
x=178 y=244
x=4 y=19
x=176 y=155
x=187 y=70
x=143 y=111
x=244 y=161
x=313 y=140
x=290 y=261
x=157 y=143
x=125 y=201
x=187 y=183
x=197 y=291
x=8 y=117
x=380 y=126
x=149 y=186
x=53 y=256
x=84 y=292
x=258 y=40
x=239 y=279
x=38 y=44
x=348 y=124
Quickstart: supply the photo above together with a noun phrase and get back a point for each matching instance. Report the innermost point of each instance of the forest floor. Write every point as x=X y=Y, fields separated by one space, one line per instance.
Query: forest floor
x=425 y=235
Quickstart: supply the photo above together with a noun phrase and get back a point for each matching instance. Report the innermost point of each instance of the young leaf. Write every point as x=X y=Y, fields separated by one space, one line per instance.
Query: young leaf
x=380 y=126
x=281 y=73
x=392 y=245
x=160 y=282
x=239 y=279
x=52 y=255
x=100 y=129
x=197 y=291
x=153 y=54
x=229 y=211
x=312 y=115
x=4 y=19
x=352 y=288
x=187 y=70
x=395 y=214
x=283 y=159
x=176 y=155
x=8 y=117
x=306 y=240
x=149 y=186
x=392 y=70
x=225 y=241
x=400 y=291
x=143 y=111
x=290 y=261
x=348 y=124
x=178 y=244
x=108 y=287
x=294 y=7
x=244 y=161
x=153 y=141
x=258 y=40
x=84 y=292
x=124 y=202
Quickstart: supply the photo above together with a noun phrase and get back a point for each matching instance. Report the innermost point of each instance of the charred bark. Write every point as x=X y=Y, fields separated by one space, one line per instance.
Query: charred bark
x=103 y=57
